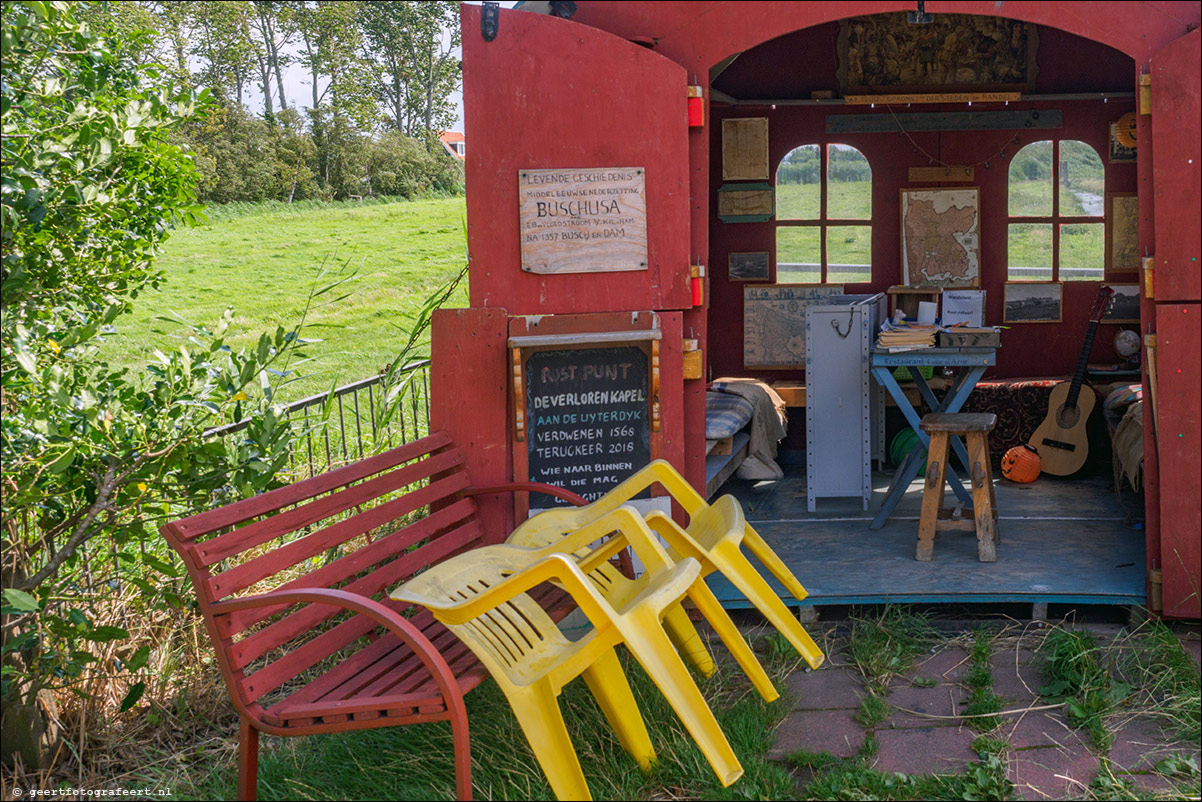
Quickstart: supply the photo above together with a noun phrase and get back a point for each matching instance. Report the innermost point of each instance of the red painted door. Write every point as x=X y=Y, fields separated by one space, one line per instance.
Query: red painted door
x=1175 y=168
x=550 y=93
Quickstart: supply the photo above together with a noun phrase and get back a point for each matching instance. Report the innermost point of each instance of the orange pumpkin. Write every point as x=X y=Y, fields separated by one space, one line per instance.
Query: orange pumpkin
x=1021 y=463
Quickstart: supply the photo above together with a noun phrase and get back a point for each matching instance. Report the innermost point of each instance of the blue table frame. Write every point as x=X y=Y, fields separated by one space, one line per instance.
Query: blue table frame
x=974 y=361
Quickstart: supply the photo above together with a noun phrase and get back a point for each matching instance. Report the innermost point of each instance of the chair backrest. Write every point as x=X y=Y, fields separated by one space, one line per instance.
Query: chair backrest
x=357 y=528
x=513 y=639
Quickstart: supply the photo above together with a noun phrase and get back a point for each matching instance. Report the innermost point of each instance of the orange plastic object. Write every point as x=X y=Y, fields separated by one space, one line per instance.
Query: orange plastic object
x=1021 y=463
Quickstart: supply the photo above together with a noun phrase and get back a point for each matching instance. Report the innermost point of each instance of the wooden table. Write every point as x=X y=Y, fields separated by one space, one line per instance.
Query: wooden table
x=974 y=361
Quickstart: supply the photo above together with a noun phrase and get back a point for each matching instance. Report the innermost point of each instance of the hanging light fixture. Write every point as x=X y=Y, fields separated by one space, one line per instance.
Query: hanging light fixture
x=919 y=17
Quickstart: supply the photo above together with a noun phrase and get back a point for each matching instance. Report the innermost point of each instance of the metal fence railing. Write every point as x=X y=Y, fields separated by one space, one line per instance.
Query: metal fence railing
x=357 y=426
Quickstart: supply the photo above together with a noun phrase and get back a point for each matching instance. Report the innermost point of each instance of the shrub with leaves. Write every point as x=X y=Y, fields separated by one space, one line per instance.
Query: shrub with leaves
x=93 y=458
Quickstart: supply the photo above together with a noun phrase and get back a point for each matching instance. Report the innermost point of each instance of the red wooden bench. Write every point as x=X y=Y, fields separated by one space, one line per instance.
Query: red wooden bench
x=293 y=587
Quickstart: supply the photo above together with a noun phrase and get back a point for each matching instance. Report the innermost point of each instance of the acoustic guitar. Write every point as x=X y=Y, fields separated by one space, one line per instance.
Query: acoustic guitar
x=1060 y=439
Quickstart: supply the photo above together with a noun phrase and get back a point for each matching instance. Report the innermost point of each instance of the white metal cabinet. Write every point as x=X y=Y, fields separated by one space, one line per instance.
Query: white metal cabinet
x=843 y=408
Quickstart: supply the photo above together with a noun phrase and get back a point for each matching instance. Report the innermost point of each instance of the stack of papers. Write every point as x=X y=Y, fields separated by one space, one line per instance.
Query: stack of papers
x=907 y=337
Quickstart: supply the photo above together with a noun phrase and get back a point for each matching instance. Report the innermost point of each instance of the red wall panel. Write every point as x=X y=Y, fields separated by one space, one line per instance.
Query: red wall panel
x=1176 y=158
x=551 y=93
x=1179 y=410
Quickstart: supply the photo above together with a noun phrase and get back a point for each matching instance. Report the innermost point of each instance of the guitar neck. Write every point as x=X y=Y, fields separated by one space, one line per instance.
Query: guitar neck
x=1082 y=362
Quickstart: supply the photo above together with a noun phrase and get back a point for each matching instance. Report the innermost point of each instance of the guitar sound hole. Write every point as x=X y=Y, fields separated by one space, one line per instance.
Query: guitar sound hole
x=1067 y=417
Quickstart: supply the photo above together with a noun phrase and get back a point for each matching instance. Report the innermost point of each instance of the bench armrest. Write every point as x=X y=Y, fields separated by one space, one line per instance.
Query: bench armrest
x=530 y=487
x=372 y=609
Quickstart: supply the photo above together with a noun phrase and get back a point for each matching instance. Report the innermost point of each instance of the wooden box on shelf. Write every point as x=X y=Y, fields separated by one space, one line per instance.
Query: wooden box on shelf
x=907 y=298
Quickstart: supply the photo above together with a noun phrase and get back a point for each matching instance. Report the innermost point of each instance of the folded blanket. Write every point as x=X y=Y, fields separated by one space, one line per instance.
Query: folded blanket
x=768 y=427
x=725 y=414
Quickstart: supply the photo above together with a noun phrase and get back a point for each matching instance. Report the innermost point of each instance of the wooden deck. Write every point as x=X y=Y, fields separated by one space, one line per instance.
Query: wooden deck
x=1062 y=541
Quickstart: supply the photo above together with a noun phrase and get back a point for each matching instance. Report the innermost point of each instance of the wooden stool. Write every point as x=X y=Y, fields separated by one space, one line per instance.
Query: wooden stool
x=935 y=518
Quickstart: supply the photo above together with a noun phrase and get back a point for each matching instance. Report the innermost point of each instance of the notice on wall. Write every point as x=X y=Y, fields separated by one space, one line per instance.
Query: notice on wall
x=964 y=306
x=588 y=412
x=583 y=220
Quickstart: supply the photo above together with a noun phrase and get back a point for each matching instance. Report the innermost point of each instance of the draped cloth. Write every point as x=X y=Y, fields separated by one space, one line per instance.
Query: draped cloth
x=768 y=427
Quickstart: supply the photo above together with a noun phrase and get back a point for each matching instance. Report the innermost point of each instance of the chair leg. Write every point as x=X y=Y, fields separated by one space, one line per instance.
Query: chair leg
x=690 y=645
x=770 y=560
x=537 y=711
x=607 y=681
x=742 y=575
x=932 y=495
x=711 y=608
x=248 y=760
x=651 y=647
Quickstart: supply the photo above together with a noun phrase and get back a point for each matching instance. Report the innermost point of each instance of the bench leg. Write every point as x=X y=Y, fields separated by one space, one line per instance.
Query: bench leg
x=248 y=760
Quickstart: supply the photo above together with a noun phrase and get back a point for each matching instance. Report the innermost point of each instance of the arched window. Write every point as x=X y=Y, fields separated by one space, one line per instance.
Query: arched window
x=1057 y=213
x=823 y=216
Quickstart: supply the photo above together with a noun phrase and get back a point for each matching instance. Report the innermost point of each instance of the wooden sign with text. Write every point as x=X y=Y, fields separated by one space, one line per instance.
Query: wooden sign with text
x=585 y=220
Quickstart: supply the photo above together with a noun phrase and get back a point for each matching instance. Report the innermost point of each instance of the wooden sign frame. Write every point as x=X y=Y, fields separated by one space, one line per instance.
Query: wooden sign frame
x=746 y=203
x=1114 y=200
x=758 y=262
x=615 y=330
x=1059 y=293
x=907 y=279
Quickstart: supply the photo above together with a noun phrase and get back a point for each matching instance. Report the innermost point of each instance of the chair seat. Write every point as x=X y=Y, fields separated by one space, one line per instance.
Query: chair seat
x=959 y=422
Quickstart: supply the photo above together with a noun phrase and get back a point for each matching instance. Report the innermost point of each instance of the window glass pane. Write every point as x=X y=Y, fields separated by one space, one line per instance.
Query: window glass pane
x=1082 y=180
x=1082 y=252
x=1031 y=181
x=1030 y=252
x=798 y=254
x=848 y=254
x=798 y=184
x=848 y=184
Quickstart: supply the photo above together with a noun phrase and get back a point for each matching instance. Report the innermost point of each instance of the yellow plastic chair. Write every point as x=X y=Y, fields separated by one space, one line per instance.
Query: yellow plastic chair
x=542 y=536
x=714 y=548
x=481 y=596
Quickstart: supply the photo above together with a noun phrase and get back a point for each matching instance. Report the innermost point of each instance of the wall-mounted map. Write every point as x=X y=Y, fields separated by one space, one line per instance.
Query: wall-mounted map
x=774 y=324
x=940 y=237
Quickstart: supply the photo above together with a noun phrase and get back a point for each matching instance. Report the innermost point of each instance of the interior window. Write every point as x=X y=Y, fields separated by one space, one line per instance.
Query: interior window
x=1057 y=213
x=824 y=216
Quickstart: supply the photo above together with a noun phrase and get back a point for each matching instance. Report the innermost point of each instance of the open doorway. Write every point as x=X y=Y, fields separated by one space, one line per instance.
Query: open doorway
x=807 y=193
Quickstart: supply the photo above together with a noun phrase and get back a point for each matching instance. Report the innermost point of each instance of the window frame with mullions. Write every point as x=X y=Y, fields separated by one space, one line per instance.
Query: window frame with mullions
x=1055 y=219
x=823 y=222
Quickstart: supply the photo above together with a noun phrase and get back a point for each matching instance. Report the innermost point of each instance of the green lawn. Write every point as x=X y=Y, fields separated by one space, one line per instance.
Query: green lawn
x=263 y=261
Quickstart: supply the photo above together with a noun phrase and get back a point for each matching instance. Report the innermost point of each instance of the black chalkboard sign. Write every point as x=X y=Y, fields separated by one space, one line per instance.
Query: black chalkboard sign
x=588 y=416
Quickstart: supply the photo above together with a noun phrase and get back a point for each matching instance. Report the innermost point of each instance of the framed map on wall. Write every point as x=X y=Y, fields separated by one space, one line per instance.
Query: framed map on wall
x=940 y=237
x=774 y=323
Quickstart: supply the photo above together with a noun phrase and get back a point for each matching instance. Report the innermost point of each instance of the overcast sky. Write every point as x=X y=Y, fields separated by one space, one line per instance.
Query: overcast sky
x=300 y=92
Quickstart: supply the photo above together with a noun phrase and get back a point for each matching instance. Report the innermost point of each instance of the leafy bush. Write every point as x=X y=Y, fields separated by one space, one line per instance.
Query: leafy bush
x=92 y=458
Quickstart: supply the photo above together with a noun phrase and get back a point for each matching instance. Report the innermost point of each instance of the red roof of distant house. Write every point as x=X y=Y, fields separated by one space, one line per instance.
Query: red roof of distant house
x=454 y=142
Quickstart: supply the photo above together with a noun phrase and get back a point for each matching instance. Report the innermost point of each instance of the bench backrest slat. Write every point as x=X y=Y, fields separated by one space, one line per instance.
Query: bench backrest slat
x=344 y=529
x=254 y=534
x=310 y=616
x=359 y=560
x=270 y=563
x=206 y=523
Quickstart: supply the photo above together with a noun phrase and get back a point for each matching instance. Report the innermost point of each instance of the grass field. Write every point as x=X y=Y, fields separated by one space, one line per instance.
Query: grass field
x=264 y=259
x=1029 y=244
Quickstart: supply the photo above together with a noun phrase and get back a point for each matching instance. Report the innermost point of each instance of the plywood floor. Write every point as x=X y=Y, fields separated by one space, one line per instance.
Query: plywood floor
x=1062 y=541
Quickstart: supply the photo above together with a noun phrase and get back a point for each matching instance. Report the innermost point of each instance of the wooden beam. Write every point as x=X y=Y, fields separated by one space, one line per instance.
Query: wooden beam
x=941 y=174
x=934 y=97
x=943 y=121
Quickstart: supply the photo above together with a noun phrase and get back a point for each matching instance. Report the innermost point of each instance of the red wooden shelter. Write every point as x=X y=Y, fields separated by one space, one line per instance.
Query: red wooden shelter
x=609 y=89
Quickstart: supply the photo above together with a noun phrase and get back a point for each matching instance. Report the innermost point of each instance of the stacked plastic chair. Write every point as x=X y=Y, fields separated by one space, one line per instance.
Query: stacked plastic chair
x=481 y=596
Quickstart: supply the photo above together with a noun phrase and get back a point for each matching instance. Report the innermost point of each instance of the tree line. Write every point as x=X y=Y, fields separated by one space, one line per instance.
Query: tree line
x=380 y=74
